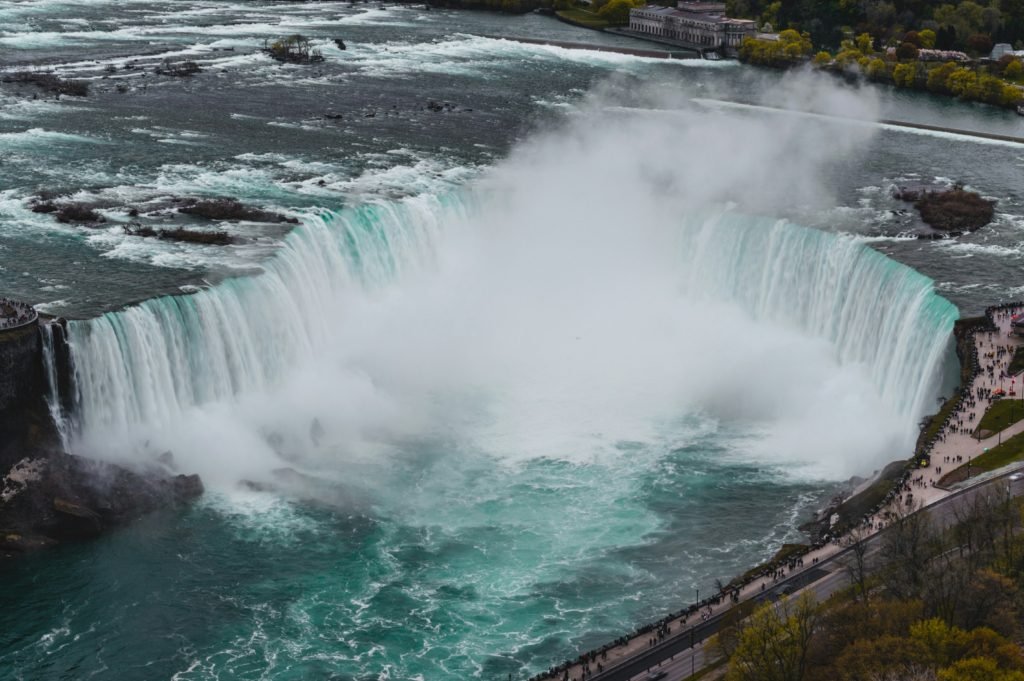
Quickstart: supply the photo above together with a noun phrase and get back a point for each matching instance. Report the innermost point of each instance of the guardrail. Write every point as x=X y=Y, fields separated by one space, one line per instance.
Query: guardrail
x=15 y=314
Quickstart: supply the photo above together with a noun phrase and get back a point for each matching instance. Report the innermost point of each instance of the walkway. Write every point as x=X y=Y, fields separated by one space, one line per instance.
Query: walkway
x=951 y=443
x=15 y=314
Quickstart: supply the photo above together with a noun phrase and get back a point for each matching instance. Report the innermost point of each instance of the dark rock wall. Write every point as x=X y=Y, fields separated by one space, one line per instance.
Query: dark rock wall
x=24 y=418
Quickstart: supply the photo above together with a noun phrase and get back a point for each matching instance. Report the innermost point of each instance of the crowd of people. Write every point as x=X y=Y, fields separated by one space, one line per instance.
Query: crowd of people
x=14 y=314
x=970 y=401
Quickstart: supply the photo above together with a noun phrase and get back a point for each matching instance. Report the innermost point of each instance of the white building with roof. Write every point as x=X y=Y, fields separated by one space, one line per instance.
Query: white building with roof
x=1003 y=49
x=701 y=25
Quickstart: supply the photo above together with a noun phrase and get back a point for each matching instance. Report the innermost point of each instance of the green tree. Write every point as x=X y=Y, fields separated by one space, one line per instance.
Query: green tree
x=865 y=44
x=938 y=77
x=926 y=38
x=966 y=18
x=904 y=75
x=978 y=669
x=773 y=643
x=877 y=70
x=963 y=82
x=906 y=52
x=617 y=11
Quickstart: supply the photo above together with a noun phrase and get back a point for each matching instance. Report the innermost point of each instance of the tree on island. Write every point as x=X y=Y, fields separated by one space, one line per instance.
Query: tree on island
x=294 y=49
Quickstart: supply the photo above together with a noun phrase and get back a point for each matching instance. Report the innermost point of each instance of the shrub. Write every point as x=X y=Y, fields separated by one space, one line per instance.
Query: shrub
x=294 y=49
x=980 y=43
x=877 y=70
x=904 y=75
x=907 y=51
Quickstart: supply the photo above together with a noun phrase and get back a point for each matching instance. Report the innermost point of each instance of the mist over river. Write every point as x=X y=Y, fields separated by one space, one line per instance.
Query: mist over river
x=541 y=363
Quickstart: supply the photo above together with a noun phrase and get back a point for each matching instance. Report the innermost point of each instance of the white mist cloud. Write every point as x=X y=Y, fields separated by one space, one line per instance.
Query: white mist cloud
x=561 y=316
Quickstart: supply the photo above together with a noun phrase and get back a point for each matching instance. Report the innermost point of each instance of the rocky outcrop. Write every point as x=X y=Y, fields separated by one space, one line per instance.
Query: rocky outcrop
x=181 y=234
x=230 y=209
x=950 y=212
x=70 y=212
x=49 y=497
x=177 y=69
x=50 y=82
x=46 y=495
x=293 y=49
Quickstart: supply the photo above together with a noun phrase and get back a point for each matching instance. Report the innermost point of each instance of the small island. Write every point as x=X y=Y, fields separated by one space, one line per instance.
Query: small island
x=949 y=212
x=293 y=49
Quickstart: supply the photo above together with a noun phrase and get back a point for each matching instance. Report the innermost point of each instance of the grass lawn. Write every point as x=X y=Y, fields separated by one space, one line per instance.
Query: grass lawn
x=1011 y=450
x=1002 y=414
x=583 y=17
x=935 y=424
x=1017 y=363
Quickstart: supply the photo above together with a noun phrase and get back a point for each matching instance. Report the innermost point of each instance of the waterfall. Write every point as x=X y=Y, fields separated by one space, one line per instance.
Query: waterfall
x=147 y=364
x=53 y=391
x=872 y=309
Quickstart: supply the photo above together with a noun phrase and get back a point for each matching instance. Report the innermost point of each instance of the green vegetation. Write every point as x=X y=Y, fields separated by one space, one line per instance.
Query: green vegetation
x=583 y=18
x=293 y=49
x=901 y=67
x=935 y=422
x=938 y=605
x=781 y=557
x=853 y=509
x=791 y=48
x=965 y=25
x=886 y=41
x=1009 y=451
x=1001 y=415
x=616 y=12
x=1017 y=363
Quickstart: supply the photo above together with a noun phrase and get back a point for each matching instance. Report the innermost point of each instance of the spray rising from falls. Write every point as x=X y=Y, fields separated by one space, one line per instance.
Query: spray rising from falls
x=583 y=294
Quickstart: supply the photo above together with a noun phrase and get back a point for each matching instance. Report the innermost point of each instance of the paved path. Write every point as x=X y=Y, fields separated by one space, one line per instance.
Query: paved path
x=679 y=660
x=638 y=655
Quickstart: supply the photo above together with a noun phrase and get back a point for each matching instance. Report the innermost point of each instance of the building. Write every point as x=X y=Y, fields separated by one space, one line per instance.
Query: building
x=699 y=25
x=1003 y=49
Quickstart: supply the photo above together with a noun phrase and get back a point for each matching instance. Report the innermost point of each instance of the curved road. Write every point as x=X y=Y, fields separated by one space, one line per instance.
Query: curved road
x=682 y=654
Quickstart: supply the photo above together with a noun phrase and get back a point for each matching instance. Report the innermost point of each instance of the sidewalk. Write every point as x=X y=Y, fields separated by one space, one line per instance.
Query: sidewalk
x=921 y=486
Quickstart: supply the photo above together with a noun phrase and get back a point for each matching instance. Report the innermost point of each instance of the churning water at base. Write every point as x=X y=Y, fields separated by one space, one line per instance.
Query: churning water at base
x=516 y=419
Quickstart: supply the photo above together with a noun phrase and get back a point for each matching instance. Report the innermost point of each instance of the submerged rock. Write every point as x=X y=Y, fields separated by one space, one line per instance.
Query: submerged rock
x=48 y=81
x=68 y=212
x=181 y=234
x=290 y=483
x=230 y=209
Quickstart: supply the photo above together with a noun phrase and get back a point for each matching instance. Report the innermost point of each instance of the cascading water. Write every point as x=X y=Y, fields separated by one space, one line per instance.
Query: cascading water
x=53 y=395
x=522 y=316
x=141 y=369
x=871 y=309
x=533 y=414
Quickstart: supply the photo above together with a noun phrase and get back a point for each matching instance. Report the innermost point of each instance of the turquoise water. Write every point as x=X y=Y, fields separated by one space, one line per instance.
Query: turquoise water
x=537 y=391
x=454 y=567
